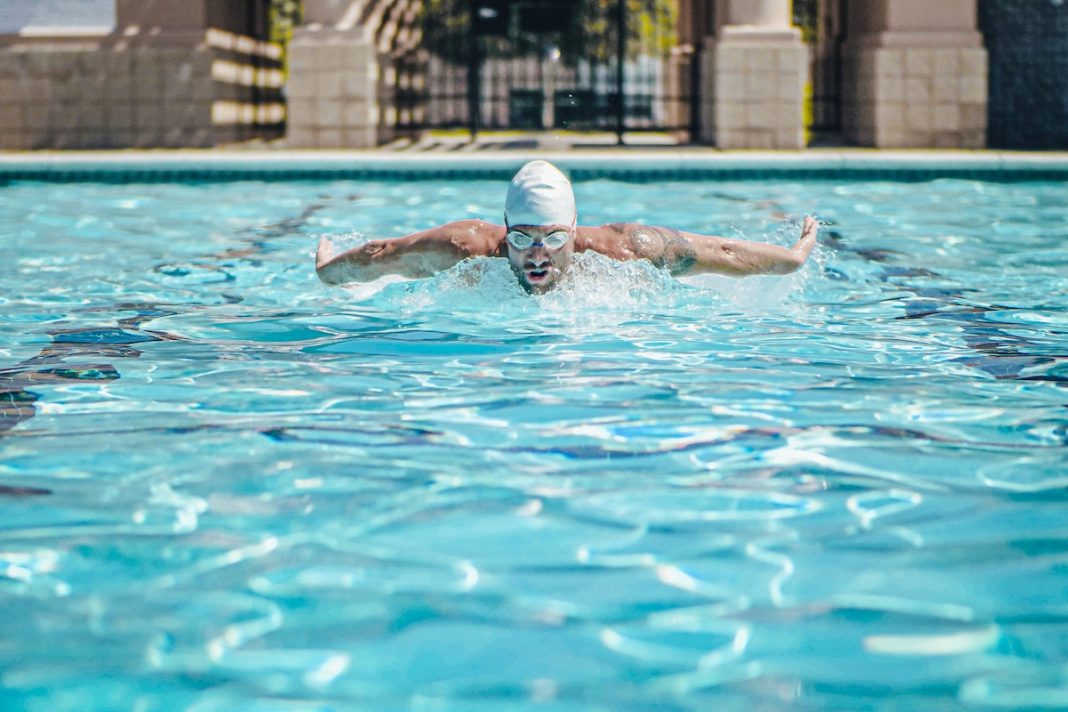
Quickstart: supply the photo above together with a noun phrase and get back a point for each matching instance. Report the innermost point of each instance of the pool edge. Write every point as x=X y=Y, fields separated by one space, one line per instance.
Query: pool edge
x=135 y=166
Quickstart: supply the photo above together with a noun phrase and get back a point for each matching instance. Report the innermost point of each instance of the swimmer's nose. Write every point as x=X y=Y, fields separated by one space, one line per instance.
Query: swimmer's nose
x=538 y=259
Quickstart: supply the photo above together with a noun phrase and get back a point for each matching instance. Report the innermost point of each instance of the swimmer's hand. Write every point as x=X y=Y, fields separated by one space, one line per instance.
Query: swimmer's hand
x=349 y=266
x=329 y=269
x=323 y=253
x=803 y=247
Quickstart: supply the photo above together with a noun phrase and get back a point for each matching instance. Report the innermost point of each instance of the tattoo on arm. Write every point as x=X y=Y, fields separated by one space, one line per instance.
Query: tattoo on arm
x=663 y=246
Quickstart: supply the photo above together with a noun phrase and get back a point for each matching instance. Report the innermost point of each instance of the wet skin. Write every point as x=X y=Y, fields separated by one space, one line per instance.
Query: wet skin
x=539 y=268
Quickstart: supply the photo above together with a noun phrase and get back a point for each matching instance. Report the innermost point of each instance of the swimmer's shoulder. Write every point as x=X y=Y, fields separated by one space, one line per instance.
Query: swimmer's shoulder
x=609 y=239
x=482 y=239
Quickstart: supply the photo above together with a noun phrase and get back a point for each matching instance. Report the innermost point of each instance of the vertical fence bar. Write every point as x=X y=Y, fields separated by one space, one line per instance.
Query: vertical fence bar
x=695 y=91
x=621 y=56
x=842 y=8
x=474 y=69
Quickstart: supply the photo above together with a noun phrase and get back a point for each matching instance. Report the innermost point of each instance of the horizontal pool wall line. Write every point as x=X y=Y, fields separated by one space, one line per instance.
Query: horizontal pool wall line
x=638 y=167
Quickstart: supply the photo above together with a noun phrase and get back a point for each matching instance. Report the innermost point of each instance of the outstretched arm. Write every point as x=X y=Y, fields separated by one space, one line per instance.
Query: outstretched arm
x=421 y=254
x=742 y=257
x=688 y=253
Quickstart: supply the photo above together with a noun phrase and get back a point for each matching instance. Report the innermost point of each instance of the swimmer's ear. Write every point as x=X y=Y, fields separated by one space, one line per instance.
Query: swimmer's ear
x=324 y=253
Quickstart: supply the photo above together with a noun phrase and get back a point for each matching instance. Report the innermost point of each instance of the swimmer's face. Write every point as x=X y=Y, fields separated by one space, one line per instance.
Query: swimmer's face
x=539 y=255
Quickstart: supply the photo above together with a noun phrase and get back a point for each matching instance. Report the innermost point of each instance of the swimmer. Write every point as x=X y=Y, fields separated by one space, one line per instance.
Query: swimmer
x=540 y=236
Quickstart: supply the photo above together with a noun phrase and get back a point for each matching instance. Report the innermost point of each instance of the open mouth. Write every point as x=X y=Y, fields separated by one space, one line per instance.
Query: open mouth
x=535 y=276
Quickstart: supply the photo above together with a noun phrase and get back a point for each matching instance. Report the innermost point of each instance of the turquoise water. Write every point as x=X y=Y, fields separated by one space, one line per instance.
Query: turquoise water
x=225 y=486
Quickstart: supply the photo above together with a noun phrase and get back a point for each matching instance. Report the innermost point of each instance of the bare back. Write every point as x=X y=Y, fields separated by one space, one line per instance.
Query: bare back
x=664 y=247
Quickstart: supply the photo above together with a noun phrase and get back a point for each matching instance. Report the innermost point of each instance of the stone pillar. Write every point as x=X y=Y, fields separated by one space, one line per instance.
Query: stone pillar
x=336 y=79
x=753 y=72
x=332 y=90
x=914 y=75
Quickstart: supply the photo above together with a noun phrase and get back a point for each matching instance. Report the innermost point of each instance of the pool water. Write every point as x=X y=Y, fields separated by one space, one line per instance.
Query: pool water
x=226 y=486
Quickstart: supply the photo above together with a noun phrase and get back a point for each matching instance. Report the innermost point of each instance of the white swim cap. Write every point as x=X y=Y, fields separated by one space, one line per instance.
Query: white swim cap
x=540 y=194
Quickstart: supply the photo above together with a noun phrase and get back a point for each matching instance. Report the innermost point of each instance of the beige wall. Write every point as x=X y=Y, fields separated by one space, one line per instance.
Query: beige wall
x=928 y=16
x=919 y=21
x=765 y=13
x=161 y=15
x=186 y=15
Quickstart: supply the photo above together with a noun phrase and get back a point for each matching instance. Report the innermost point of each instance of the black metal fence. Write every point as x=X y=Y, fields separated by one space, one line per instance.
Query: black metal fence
x=605 y=65
x=1027 y=45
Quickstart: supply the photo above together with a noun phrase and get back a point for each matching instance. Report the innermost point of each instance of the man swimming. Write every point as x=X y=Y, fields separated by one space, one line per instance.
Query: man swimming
x=540 y=236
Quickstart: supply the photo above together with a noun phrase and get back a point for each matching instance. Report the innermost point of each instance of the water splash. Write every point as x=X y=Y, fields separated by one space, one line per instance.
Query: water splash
x=595 y=288
x=344 y=241
x=471 y=287
x=594 y=284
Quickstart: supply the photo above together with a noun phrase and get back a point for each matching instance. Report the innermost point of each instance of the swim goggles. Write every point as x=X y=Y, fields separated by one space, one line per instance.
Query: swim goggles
x=553 y=241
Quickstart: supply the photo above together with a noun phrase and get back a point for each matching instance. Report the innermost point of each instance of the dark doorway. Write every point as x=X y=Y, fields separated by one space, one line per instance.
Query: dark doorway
x=822 y=24
x=1027 y=45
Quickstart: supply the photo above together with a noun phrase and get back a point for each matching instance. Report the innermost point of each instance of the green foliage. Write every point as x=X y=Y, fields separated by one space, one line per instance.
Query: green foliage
x=282 y=17
x=806 y=17
x=589 y=31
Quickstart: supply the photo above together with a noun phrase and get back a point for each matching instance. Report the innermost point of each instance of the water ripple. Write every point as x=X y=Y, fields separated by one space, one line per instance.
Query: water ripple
x=226 y=486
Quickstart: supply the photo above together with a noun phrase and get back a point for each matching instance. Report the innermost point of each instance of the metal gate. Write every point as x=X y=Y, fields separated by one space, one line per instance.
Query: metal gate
x=582 y=65
x=1027 y=45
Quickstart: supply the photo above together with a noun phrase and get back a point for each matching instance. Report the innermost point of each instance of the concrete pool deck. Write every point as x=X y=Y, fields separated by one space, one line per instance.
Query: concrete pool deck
x=627 y=162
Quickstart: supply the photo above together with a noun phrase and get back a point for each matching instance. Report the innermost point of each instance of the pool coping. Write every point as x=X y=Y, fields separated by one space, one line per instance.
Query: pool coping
x=682 y=164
